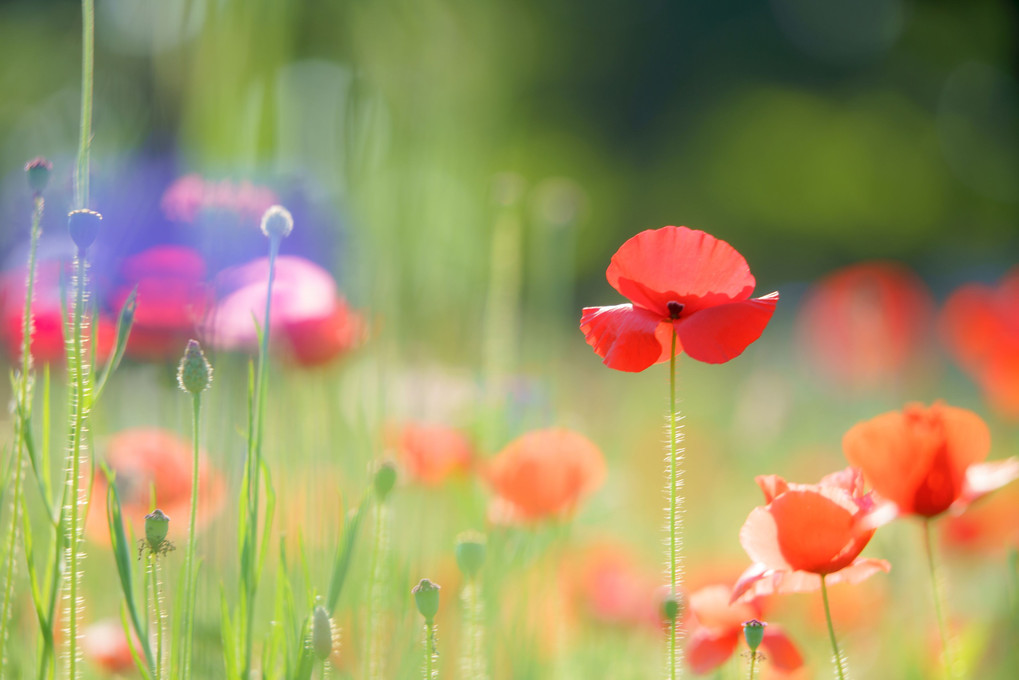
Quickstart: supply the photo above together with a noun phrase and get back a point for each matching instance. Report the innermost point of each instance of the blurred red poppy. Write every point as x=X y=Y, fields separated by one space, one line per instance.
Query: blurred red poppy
x=607 y=582
x=431 y=453
x=172 y=300
x=807 y=531
x=715 y=628
x=543 y=474
x=153 y=469
x=105 y=644
x=676 y=279
x=980 y=324
x=310 y=315
x=925 y=460
x=47 y=312
x=865 y=324
x=989 y=526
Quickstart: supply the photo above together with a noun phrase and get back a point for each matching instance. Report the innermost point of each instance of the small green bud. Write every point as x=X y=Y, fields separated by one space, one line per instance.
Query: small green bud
x=277 y=222
x=83 y=225
x=321 y=633
x=157 y=524
x=671 y=608
x=426 y=595
x=385 y=480
x=194 y=374
x=753 y=631
x=470 y=552
x=38 y=170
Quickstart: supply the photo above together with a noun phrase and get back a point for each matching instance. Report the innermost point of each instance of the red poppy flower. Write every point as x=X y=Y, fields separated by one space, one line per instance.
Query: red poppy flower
x=925 y=460
x=980 y=325
x=543 y=474
x=153 y=469
x=682 y=280
x=807 y=531
x=866 y=323
x=607 y=582
x=431 y=453
x=988 y=526
x=307 y=310
x=172 y=299
x=105 y=644
x=47 y=313
x=715 y=628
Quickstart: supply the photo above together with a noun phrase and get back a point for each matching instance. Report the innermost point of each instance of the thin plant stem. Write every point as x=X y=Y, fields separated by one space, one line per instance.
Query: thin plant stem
x=376 y=588
x=753 y=663
x=79 y=416
x=81 y=175
x=431 y=651
x=674 y=475
x=21 y=423
x=838 y=658
x=190 y=576
x=157 y=610
x=937 y=586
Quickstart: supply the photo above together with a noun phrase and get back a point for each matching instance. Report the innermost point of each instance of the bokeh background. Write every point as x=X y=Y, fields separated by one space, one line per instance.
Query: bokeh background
x=466 y=170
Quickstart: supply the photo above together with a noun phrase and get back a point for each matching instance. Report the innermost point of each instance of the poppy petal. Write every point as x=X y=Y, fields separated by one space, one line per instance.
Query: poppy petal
x=770 y=582
x=781 y=651
x=771 y=485
x=624 y=336
x=983 y=478
x=717 y=334
x=754 y=573
x=759 y=538
x=681 y=264
x=707 y=649
x=816 y=530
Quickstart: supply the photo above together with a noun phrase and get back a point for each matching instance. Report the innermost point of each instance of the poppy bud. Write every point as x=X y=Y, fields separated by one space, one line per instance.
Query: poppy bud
x=83 y=225
x=753 y=631
x=385 y=479
x=470 y=552
x=194 y=374
x=321 y=633
x=38 y=170
x=426 y=595
x=671 y=608
x=157 y=524
x=277 y=222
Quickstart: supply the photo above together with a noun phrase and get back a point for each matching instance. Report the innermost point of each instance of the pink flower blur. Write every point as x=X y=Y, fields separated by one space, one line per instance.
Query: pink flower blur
x=191 y=195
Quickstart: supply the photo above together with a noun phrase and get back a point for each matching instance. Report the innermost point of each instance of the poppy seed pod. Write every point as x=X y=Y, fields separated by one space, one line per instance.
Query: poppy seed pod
x=671 y=608
x=194 y=374
x=385 y=480
x=753 y=632
x=83 y=225
x=277 y=222
x=321 y=633
x=426 y=595
x=157 y=524
x=470 y=552
x=38 y=170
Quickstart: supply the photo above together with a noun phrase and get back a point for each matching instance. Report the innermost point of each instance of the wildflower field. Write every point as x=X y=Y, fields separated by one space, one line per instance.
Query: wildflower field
x=505 y=340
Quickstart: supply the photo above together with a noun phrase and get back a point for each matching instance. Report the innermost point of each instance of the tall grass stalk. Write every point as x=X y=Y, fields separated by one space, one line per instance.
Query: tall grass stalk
x=22 y=384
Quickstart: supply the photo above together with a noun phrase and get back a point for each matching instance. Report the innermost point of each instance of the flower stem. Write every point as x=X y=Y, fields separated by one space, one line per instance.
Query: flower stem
x=190 y=576
x=675 y=482
x=81 y=174
x=840 y=662
x=753 y=663
x=157 y=611
x=937 y=585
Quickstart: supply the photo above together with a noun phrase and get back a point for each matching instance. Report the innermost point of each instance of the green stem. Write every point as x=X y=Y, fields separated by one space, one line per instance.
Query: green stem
x=839 y=661
x=81 y=175
x=753 y=663
x=78 y=423
x=189 y=567
x=157 y=611
x=431 y=651
x=21 y=432
x=937 y=586
x=674 y=475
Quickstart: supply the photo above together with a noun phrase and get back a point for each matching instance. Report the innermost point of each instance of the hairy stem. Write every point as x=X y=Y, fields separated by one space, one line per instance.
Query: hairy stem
x=839 y=660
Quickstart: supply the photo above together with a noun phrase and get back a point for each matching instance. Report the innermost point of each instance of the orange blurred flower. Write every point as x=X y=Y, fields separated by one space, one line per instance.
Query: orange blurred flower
x=980 y=325
x=807 y=531
x=925 y=460
x=989 y=526
x=105 y=644
x=431 y=453
x=610 y=585
x=865 y=323
x=153 y=469
x=715 y=628
x=543 y=474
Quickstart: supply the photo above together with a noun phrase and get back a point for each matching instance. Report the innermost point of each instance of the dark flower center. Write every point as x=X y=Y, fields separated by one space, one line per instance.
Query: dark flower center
x=675 y=309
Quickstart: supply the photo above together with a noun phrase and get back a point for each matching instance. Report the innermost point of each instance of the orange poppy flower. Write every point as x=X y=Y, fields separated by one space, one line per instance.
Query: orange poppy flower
x=715 y=627
x=153 y=468
x=980 y=324
x=807 y=531
x=863 y=324
x=105 y=644
x=543 y=474
x=610 y=586
x=431 y=453
x=987 y=527
x=925 y=460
